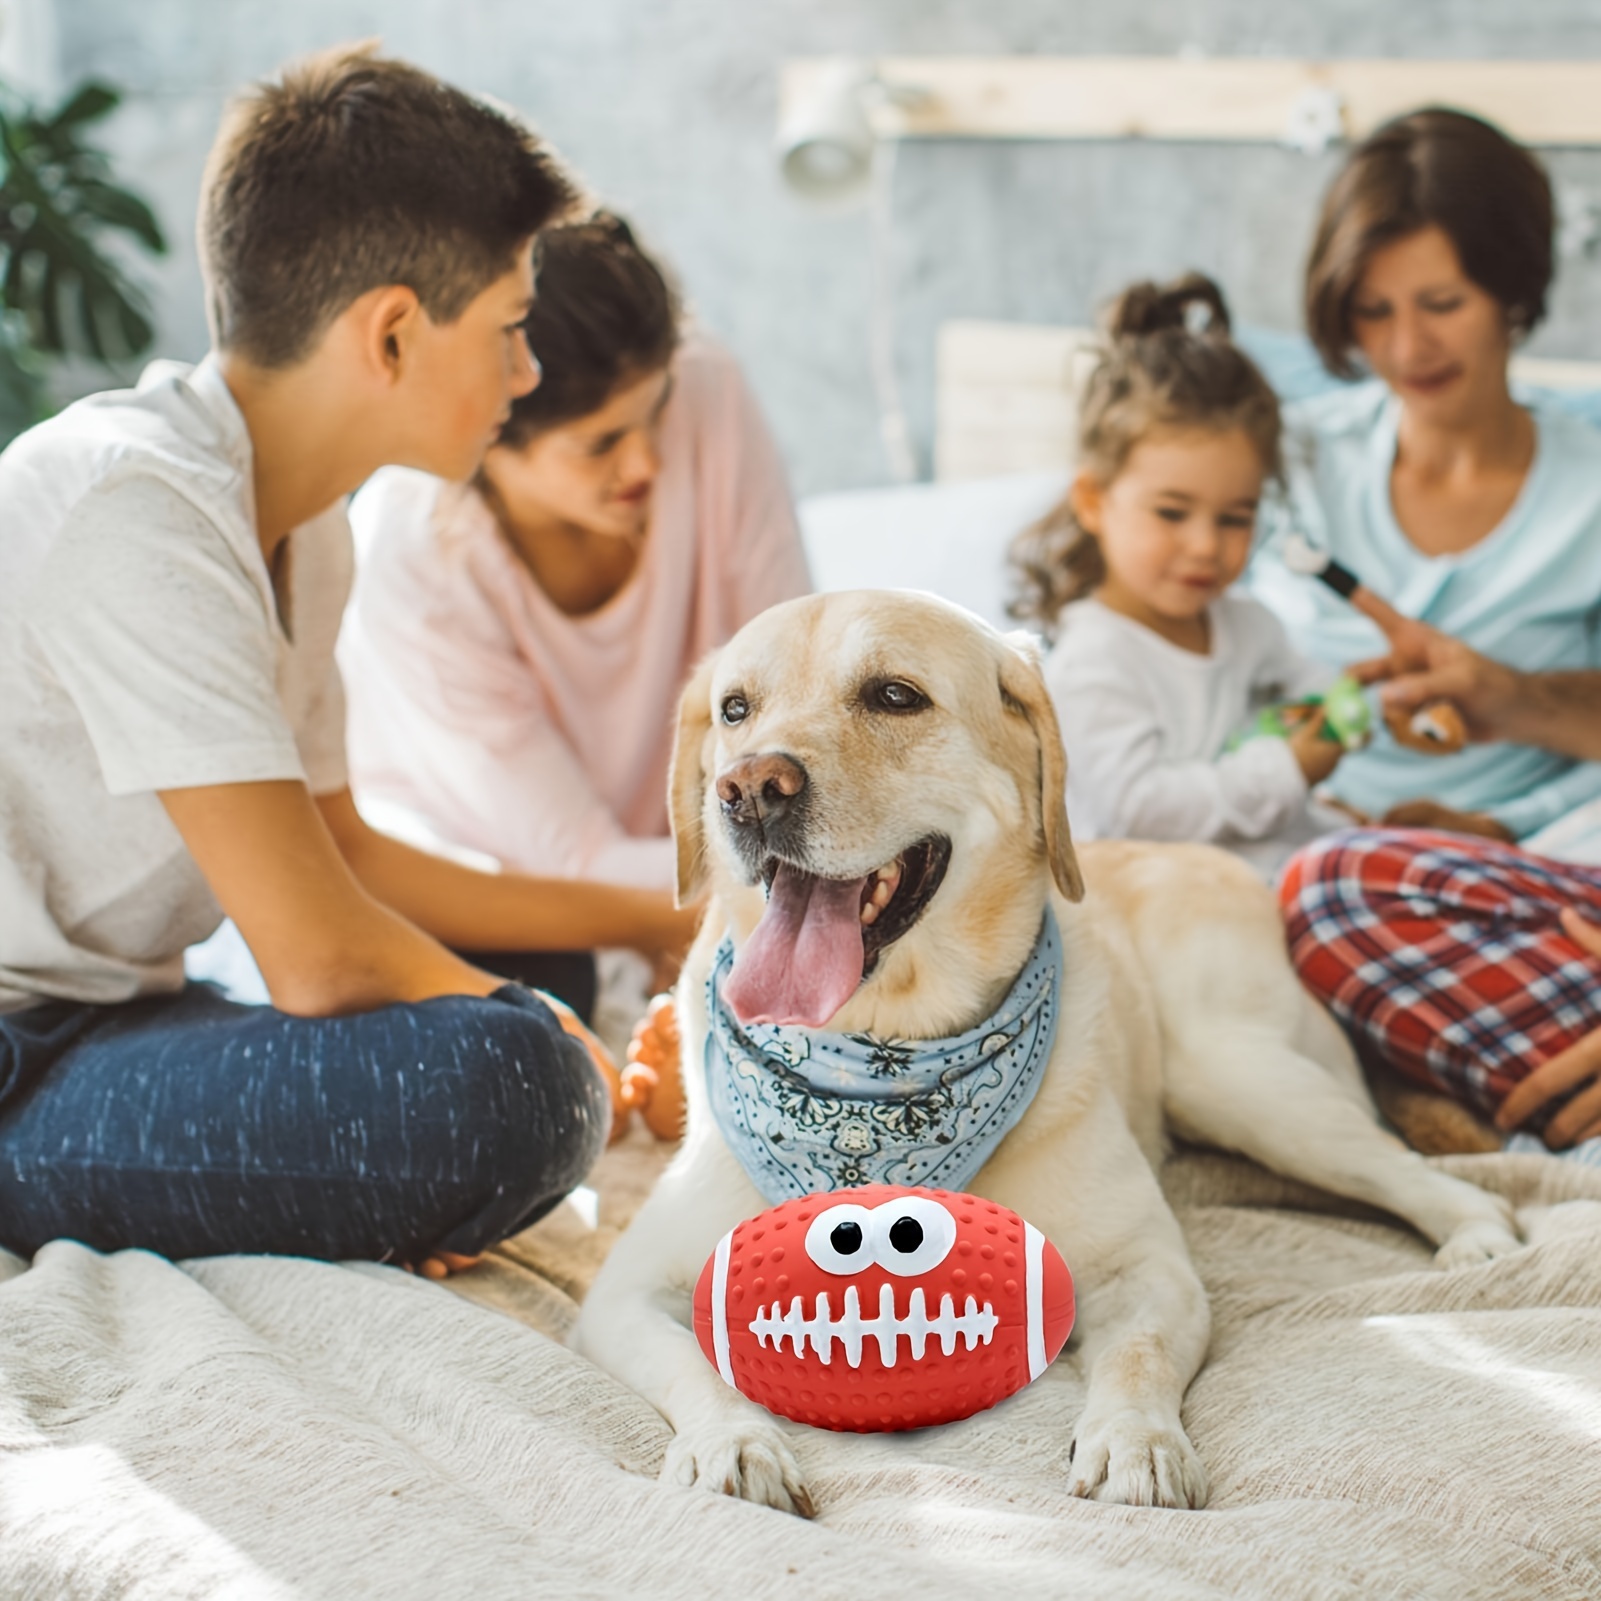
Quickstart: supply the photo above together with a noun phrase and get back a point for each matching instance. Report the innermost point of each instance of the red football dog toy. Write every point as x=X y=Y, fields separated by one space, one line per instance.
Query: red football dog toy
x=902 y=1307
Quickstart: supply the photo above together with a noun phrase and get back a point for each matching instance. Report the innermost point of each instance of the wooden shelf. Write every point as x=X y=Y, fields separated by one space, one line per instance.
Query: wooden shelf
x=1245 y=98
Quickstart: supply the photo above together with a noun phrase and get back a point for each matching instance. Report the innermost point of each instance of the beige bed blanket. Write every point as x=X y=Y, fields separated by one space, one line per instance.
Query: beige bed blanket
x=249 y=1427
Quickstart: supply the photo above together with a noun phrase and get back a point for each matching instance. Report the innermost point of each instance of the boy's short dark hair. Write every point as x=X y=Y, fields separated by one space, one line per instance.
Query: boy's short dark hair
x=351 y=172
x=1438 y=168
x=604 y=314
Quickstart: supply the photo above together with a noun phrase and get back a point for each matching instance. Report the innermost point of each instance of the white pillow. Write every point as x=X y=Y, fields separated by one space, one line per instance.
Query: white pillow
x=950 y=538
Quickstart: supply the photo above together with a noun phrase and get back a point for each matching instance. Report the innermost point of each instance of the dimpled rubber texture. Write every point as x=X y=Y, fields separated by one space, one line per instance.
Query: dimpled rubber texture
x=972 y=1318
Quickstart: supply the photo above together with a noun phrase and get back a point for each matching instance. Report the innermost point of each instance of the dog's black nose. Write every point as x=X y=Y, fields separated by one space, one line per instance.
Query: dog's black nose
x=758 y=790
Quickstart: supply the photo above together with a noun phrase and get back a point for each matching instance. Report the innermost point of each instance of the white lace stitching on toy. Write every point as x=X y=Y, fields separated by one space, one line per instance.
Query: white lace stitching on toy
x=972 y=1324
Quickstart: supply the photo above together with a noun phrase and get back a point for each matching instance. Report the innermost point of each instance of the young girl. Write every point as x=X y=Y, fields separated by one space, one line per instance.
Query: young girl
x=1156 y=667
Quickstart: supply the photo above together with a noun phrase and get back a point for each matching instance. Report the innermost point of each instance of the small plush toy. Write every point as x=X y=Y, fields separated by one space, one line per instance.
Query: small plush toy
x=1435 y=730
x=1342 y=710
x=1347 y=716
x=882 y=1307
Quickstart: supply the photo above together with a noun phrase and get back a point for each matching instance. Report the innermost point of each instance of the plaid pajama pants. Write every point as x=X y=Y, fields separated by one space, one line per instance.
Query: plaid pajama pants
x=1442 y=955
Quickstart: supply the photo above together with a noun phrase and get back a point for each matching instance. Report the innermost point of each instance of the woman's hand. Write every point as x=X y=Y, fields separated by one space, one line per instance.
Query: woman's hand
x=1555 y=711
x=1431 y=814
x=1425 y=665
x=1576 y=1069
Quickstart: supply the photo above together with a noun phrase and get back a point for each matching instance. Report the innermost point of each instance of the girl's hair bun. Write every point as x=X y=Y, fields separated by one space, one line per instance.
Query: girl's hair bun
x=1192 y=304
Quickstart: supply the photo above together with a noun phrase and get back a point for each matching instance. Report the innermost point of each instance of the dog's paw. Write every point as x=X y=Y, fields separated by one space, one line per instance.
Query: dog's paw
x=751 y=1461
x=1134 y=1460
x=1481 y=1240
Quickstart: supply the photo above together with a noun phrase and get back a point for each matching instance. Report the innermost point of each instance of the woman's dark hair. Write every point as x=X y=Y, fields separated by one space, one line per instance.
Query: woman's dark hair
x=1432 y=168
x=604 y=313
x=1169 y=363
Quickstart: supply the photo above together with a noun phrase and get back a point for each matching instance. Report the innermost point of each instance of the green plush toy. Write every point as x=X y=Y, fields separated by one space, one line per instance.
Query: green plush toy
x=1342 y=709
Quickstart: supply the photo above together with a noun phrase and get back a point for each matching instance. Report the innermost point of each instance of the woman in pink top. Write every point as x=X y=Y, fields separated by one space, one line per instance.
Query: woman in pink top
x=515 y=646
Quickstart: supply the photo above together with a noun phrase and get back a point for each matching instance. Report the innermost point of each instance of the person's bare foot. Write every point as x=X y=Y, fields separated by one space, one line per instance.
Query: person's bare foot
x=441 y=1264
x=1427 y=1119
x=1433 y=815
x=653 y=1080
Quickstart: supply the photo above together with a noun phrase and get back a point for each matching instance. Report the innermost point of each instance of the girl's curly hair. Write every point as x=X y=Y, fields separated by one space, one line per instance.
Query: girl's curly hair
x=1169 y=362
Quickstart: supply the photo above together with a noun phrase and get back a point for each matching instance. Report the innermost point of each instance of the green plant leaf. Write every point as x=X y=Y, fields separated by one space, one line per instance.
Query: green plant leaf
x=57 y=200
x=117 y=208
x=88 y=103
x=46 y=308
x=134 y=327
x=21 y=392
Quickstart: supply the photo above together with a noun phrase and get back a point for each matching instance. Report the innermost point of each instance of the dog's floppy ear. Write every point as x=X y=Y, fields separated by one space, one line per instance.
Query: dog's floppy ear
x=1023 y=692
x=686 y=782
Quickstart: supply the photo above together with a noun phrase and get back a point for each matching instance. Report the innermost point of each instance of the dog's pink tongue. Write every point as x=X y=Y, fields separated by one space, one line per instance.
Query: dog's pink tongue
x=803 y=961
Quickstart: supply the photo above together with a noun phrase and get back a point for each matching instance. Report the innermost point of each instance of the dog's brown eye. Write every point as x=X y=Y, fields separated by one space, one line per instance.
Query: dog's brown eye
x=735 y=708
x=894 y=695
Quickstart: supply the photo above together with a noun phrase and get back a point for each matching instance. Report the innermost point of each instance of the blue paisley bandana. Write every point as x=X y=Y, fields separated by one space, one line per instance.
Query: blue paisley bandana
x=806 y=1111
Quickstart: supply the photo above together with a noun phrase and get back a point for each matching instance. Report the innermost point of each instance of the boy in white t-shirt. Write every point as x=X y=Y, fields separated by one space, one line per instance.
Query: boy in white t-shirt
x=173 y=565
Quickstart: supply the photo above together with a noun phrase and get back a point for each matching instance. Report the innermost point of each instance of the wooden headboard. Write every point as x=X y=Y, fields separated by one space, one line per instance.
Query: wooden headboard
x=1006 y=394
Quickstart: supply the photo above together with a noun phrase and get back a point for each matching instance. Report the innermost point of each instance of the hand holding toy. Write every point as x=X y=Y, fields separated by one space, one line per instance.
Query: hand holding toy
x=1436 y=729
x=1342 y=711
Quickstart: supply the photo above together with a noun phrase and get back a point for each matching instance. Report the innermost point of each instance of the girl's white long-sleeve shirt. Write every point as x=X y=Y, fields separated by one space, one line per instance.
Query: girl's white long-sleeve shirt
x=1147 y=725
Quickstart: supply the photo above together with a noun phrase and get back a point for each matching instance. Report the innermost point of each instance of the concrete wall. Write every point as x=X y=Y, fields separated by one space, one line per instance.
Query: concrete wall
x=668 y=107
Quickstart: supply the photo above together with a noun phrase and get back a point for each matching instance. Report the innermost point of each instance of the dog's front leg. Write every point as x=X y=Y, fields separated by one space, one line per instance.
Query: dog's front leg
x=1144 y=1329
x=635 y=1323
x=1142 y=1321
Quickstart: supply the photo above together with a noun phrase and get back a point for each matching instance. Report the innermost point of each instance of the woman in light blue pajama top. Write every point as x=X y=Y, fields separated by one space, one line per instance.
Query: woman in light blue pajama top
x=1528 y=593
x=1466 y=505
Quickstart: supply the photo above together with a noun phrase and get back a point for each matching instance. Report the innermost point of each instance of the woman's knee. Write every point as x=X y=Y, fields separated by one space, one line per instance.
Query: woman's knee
x=1315 y=884
x=1361 y=877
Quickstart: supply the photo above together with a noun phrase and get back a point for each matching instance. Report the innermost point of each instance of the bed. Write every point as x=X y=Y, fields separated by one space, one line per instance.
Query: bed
x=251 y=1427
x=247 y=1428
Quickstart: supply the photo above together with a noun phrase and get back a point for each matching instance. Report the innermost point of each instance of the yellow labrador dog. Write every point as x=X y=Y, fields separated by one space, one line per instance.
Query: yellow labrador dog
x=871 y=785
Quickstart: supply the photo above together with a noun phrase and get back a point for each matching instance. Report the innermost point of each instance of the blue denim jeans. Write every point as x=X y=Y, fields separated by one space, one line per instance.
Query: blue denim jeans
x=192 y=1125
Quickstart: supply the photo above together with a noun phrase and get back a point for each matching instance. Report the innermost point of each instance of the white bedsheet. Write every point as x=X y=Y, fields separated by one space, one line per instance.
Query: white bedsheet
x=948 y=538
x=278 y=1428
